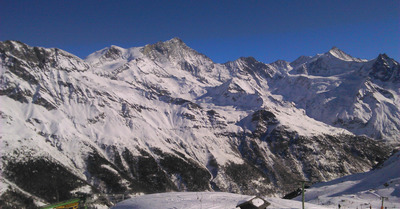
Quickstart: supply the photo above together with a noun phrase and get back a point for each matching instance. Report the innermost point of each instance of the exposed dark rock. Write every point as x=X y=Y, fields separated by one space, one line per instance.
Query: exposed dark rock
x=20 y=69
x=293 y=194
x=263 y=120
x=179 y=101
x=249 y=179
x=16 y=200
x=101 y=169
x=43 y=178
x=193 y=176
x=385 y=69
x=112 y=53
x=43 y=102
x=189 y=116
x=17 y=94
x=147 y=174
x=275 y=158
x=295 y=157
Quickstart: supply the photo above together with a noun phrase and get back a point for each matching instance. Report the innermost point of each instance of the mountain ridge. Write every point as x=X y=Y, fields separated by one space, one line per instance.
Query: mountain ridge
x=171 y=119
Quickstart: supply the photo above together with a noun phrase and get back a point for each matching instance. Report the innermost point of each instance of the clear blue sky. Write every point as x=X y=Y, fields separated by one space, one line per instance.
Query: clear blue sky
x=222 y=30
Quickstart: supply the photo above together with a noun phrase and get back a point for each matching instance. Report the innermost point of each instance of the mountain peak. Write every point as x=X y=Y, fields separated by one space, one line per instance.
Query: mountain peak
x=175 y=105
x=13 y=42
x=334 y=48
x=385 y=69
x=12 y=46
x=165 y=47
x=336 y=52
x=383 y=56
x=114 y=47
x=176 y=40
x=299 y=61
x=248 y=59
x=172 y=43
x=174 y=48
x=282 y=65
x=281 y=62
x=113 y=52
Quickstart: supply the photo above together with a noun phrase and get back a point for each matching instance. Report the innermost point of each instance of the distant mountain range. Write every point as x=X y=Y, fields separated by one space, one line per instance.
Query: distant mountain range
x=164 y=117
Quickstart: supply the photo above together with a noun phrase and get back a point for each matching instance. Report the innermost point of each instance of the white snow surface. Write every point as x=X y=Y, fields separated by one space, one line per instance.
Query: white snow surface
x=257 y=202
x=93 y=109
x=198 y=200
x=338 y=90
x=125 y=98
x=361 y=190
x=332 y=89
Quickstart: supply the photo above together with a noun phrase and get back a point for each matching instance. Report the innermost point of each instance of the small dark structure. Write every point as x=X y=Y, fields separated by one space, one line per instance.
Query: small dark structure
x=254 y=203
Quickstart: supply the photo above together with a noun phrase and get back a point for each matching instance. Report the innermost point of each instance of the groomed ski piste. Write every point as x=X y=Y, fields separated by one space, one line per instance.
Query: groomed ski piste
x=202 y=200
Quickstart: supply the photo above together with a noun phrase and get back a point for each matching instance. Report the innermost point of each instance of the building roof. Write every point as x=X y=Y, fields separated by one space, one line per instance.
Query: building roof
x=254 y=203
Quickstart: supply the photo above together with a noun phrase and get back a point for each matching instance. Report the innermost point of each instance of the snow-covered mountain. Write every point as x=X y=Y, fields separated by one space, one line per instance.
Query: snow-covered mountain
x=358 y=95
x=164 y=117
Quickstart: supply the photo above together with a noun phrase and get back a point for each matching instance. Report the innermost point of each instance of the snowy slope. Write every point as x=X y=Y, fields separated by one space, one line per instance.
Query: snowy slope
x=362 y=189
x=164 y=117
x=358 y=95
x=333 y=62
x=196 y=200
